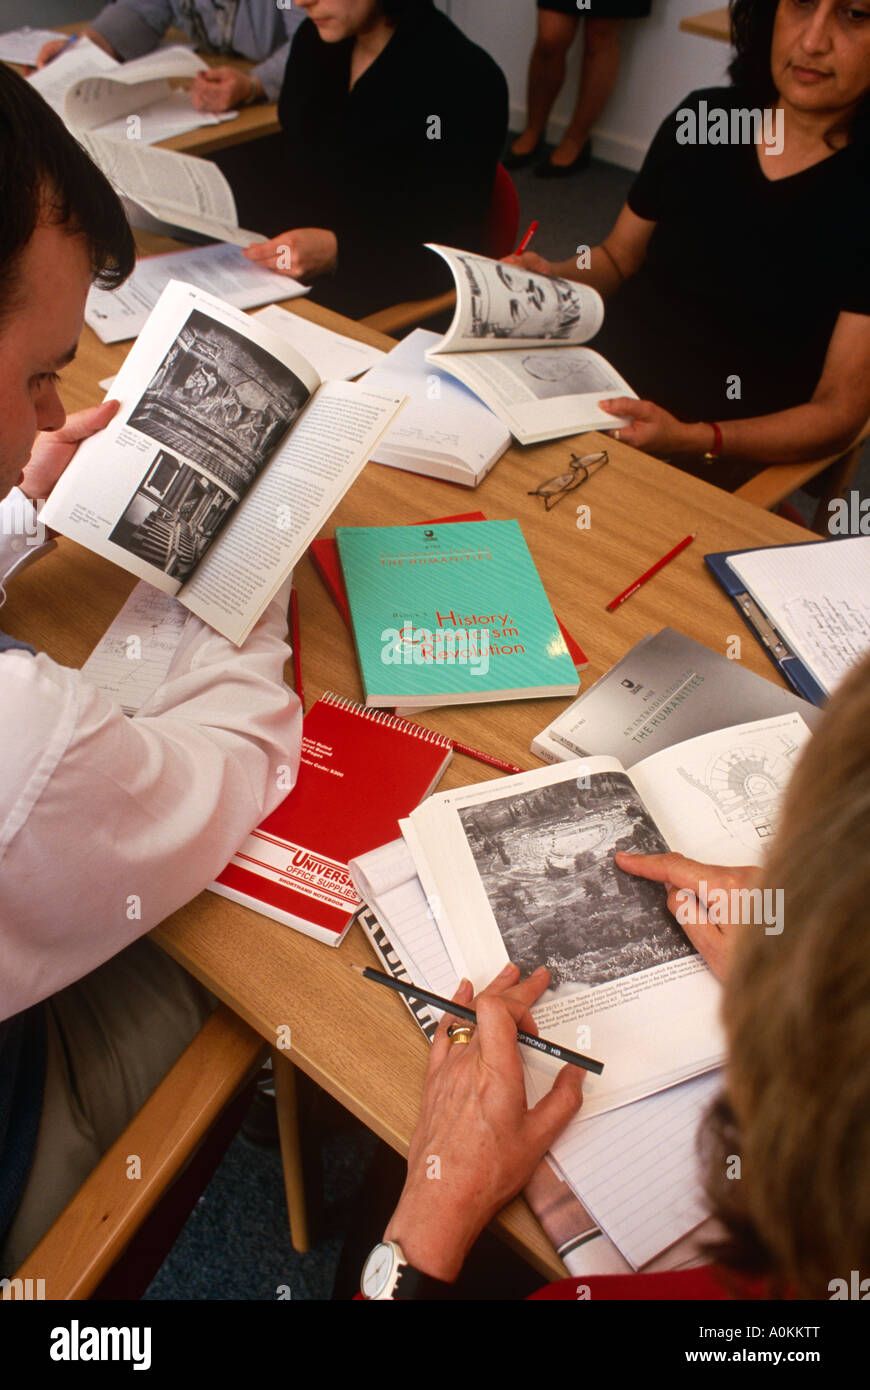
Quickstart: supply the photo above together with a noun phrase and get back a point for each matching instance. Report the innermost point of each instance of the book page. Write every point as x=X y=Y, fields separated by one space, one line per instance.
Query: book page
x=717 y=797
x=174 y=114
x=502 y=304
x=206 y=397
x=130 y=87
x=220 y=269
x=523 y=870
x=442 y=419
x=174 y=188
x=84 y=59
x=25 y=45
x=387 y=880
x=335 y=356
x=303 y=484
x=818 y=598
x=541 y=391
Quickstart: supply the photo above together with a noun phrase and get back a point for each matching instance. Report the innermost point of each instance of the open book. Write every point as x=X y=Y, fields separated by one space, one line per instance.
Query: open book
x=219 y=268
x=117 y=111
x=522 y=869
x=445 y=431
x=225 y=459
x=92 y=91
x=514 y=341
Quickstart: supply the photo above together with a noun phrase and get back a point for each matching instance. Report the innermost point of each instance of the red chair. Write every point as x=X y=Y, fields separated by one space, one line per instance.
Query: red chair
x=501 y=238
x=504 y=216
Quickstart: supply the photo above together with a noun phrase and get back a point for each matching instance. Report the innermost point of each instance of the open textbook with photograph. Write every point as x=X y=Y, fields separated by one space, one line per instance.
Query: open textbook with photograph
x=225 y=459
x=634 y=1169
x=522 y=869
x=515 y=342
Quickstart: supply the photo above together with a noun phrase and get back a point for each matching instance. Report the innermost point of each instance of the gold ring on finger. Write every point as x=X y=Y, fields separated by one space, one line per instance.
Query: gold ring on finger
x=460 y=1032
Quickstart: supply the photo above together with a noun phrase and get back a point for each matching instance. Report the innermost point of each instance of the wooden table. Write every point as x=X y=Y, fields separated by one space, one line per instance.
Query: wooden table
x=251 y=123
x=712 y=24
x=354 y=1040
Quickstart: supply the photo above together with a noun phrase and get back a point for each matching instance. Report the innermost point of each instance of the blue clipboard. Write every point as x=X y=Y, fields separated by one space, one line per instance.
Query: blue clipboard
x=783 y=658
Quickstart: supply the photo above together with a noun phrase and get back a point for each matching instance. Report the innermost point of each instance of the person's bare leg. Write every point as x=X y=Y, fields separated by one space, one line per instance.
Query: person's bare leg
x=556 y=33
x=597 y=80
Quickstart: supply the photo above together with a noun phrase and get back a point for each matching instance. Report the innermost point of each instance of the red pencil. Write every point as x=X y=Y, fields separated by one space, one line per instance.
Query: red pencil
x=654 y=569
x=483 y=757
x=526 y=239
x=297 y=651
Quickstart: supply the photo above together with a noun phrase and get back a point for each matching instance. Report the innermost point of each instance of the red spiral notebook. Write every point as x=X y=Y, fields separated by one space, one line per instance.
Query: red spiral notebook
x=362 y=770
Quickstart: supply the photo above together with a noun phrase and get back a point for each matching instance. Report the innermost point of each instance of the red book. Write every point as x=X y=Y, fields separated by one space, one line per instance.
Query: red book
x=324 y=554
x=362 y=770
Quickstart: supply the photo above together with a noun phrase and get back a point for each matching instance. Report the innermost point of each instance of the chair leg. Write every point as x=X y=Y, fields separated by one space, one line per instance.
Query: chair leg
x=837 y=479
x=286 y=1103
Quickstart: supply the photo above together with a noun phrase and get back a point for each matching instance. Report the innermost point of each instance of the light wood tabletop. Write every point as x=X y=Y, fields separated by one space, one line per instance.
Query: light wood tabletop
x=251 y=123
x=355 y=1040
x=712 y=24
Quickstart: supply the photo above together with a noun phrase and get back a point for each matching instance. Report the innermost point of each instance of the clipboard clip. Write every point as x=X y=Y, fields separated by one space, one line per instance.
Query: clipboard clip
x=767 y=633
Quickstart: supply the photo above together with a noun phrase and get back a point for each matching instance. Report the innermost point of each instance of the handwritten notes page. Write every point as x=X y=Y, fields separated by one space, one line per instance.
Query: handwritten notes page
x=132 y=657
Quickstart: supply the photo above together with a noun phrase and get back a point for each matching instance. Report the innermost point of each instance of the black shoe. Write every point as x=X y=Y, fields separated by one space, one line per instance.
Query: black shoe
x=521 y=161
x=548 y=170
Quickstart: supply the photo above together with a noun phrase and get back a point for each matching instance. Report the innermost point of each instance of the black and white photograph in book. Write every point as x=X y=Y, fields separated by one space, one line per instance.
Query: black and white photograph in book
x=507 y=302
x=545 y=858
x=221 y=401
x=559 y=372
x=173 y=516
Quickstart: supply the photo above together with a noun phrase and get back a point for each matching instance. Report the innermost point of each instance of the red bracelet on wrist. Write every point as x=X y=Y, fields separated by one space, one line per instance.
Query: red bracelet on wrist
x=717 y=440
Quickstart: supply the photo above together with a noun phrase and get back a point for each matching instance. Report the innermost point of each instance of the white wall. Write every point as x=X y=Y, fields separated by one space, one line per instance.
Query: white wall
x=659 y=66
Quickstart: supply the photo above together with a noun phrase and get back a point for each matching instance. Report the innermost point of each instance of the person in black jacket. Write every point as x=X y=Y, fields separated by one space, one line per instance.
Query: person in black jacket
x=393 y=124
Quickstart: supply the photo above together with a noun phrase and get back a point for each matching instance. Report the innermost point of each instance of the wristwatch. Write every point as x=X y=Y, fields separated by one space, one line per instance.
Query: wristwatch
x=387 y=1274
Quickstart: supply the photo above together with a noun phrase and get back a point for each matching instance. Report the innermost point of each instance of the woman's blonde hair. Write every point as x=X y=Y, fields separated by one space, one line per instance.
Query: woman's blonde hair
x=797 y=1015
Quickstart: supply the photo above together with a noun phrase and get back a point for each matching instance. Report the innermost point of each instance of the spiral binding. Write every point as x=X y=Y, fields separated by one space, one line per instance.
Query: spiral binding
x=382 y=716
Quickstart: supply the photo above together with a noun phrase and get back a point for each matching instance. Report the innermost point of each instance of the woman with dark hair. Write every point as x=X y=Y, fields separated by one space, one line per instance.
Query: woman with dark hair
x=738 y=272
x=393 y=124
x=796 y=1108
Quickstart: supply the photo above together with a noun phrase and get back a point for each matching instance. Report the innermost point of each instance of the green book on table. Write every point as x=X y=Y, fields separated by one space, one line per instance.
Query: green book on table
x=450 y=614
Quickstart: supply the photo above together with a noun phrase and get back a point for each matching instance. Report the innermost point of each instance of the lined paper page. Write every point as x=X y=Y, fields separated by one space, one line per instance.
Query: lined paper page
x=132 y=657
x=636 y=1169
x=818 y=598
x=402 y=907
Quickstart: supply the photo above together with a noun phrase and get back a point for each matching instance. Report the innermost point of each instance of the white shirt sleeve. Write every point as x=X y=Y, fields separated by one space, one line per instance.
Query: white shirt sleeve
x=108 y=824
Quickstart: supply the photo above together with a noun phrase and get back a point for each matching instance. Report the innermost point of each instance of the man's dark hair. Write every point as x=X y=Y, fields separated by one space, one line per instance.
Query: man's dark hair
x=45 y=176
x=752 y=24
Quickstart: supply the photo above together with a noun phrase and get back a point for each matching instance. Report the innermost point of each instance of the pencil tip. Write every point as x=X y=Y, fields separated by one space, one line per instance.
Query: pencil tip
x=358 y=968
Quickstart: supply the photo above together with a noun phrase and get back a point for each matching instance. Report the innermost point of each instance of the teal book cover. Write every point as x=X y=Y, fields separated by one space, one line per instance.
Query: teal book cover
x=451 y=613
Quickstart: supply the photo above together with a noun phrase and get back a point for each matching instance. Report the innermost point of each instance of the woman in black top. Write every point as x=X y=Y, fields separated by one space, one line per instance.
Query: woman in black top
x=740 y=272
x=393 y=124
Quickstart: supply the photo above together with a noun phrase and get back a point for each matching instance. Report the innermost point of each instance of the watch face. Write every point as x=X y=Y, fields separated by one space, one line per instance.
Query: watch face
x=377 y=1270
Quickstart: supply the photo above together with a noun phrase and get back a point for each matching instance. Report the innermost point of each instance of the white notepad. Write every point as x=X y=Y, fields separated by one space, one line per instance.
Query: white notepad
x=817 y=596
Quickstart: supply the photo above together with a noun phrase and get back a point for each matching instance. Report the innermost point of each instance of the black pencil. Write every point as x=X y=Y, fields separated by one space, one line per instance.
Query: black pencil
x=562 y=1054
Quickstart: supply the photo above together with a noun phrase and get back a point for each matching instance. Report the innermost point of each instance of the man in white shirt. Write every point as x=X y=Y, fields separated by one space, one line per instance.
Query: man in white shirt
x=107 y=824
